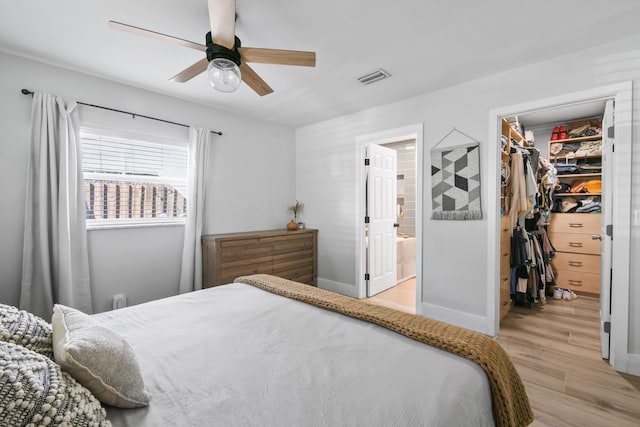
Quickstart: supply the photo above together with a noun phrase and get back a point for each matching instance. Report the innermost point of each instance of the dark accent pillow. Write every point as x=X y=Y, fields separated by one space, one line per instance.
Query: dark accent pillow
x=25 y=329
x=35 y=391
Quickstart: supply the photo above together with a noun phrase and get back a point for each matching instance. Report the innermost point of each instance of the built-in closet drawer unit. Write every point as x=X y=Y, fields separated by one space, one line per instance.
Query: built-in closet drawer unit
x=576 y=238
x=505 y=266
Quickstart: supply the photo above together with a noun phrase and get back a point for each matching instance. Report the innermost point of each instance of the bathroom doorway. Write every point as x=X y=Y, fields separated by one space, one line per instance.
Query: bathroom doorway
x=404 y=294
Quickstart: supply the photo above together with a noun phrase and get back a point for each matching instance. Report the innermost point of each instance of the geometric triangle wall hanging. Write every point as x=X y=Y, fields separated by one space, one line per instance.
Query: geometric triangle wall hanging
x=455 y=181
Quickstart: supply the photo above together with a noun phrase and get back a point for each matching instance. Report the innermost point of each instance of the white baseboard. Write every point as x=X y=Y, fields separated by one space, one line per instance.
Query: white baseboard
x=338 y=287
x=633 y=364
x=455 y=317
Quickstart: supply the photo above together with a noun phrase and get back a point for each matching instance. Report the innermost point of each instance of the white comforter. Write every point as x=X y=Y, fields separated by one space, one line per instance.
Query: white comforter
x=236 y=355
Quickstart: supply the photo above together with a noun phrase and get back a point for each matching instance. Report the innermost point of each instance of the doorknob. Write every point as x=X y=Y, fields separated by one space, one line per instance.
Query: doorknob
x=396 y=225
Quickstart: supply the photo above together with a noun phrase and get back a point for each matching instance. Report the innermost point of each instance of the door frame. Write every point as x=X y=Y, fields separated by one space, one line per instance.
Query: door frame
x=386 y=137
x=621 y=201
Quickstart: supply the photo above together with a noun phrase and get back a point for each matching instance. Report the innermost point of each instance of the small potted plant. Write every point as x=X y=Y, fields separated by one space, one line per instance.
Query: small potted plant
x=295 y=209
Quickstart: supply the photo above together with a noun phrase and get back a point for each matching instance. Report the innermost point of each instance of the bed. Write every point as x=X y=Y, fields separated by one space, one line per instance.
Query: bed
x=266 y=351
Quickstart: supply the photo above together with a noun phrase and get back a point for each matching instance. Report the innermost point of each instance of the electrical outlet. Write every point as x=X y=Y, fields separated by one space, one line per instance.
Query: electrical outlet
x=636 y=217
x=119 y=301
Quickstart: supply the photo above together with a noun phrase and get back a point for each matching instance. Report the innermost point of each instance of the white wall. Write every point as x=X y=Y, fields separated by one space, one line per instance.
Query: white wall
x=454 y=253
x=252 y=178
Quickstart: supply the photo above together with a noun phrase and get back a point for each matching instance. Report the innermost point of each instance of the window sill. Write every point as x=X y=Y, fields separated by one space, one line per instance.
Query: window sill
x=109 y=226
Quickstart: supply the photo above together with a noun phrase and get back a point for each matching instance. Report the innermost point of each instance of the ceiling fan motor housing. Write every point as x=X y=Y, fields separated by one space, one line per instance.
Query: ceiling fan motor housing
x=217 y=51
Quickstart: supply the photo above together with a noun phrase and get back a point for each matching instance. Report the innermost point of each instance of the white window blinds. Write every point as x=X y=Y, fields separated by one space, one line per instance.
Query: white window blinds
x=129 y=182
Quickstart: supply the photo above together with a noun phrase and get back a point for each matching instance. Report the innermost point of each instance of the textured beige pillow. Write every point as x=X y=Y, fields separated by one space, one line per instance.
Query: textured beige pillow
x=25 y=329
x=97 y=358
x=35 y=391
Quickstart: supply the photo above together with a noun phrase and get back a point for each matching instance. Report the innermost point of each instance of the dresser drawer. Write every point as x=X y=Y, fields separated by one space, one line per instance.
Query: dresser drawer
x=575 y=242
x=578 y=281
x=577 y=262
x=588 y=223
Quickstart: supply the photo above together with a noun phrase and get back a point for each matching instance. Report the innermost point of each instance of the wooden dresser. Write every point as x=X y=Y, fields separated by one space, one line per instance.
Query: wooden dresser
x=576 y=239
x=283 y=253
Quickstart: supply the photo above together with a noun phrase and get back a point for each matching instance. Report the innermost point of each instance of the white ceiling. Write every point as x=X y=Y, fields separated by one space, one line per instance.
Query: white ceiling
x=424 y=44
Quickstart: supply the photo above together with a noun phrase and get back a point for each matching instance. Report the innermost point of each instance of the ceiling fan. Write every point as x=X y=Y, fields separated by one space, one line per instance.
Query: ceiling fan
x=226 y=61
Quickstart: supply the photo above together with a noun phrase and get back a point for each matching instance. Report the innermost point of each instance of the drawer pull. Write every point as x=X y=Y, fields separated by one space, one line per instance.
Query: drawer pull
x=596 y=237
x=505 y=303
x=575 y=282
x=575 y=244
x=505 y=254
x=575 y=263
x=505 y=279
x=576 y=225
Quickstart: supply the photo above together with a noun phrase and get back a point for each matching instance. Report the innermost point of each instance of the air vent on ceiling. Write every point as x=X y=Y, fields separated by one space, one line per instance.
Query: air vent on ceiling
x=374 y=76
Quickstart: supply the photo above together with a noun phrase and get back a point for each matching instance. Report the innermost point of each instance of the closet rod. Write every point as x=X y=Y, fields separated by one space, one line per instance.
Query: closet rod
x=134 y=115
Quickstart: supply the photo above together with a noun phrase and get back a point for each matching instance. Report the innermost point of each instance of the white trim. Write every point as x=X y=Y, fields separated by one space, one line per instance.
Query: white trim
x=621 y=200
x=384 y=137
x=633 y=364
x=338 y=287
x=454 y=317
x=109 y=224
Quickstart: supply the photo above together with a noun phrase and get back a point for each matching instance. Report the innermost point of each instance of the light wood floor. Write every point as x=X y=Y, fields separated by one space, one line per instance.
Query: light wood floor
x=401 y=297
x=556 y=350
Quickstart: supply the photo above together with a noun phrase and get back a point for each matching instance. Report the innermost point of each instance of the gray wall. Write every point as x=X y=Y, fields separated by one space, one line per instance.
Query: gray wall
x=454 y=259
x=252 y=178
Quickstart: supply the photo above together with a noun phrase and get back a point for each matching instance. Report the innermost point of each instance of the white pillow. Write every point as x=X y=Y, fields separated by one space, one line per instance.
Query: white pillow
x=97 y=358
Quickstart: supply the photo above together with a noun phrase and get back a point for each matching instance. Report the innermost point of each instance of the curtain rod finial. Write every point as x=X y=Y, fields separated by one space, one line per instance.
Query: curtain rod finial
x=26 y=92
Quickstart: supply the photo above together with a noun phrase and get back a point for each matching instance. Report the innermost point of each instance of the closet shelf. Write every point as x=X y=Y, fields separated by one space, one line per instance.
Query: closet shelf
x=579 y=175
x=573 y=156
x=580 y=139
x=577 y=194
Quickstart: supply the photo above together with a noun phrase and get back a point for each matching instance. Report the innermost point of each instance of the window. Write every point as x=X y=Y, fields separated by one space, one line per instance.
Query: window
x=133 y=182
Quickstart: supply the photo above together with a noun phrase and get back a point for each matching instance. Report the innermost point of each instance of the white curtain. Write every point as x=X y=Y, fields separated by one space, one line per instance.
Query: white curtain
x=55 y=264
x=199 y=148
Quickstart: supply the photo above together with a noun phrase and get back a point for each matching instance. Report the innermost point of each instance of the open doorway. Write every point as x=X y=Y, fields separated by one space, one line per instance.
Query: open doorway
x=615 y=170
x=405 y=207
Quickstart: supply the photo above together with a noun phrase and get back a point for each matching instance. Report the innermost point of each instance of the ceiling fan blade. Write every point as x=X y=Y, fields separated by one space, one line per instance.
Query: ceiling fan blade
x=254 y=81
x=222 y=18
x=278 y=56
x=191 y=72
x=155 y=35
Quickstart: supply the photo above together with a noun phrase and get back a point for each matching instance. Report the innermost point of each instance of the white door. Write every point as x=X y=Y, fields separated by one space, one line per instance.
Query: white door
x=381 y=178
x=607 y=215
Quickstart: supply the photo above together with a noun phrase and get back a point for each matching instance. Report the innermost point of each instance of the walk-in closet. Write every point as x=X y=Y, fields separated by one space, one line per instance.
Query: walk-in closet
x=552 y=200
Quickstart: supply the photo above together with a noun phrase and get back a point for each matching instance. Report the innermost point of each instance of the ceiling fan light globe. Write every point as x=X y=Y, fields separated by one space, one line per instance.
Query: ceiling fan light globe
x=224 y=75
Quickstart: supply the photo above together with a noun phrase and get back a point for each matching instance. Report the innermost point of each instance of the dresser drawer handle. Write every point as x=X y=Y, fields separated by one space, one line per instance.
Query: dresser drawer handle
x=505 y=279
x=505 y=254
x=575 y=282
x=576 y=225
x=575 y=244
x=505 y=303
x=575 y=263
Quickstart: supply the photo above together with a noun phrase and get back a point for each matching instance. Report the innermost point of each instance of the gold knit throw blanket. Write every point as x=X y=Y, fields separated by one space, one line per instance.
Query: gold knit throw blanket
x=510 y=402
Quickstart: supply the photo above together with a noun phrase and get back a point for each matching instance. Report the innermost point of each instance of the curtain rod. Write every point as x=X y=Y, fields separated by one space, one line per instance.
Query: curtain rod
x=134 y=115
